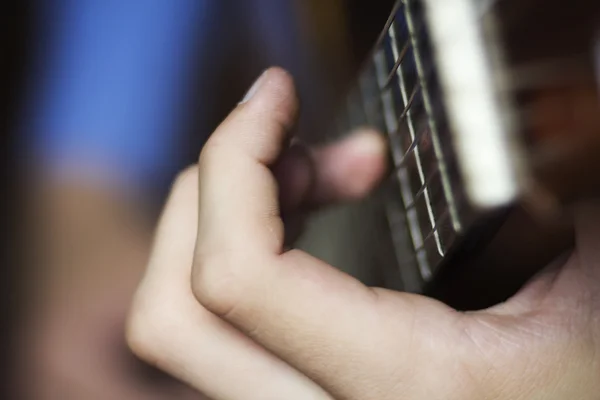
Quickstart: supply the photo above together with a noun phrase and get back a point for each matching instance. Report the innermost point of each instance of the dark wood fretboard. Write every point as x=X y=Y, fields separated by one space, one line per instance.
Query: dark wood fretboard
x=398 y=93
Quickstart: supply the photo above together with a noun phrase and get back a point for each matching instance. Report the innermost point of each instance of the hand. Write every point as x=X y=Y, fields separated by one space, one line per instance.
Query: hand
x=225 y=307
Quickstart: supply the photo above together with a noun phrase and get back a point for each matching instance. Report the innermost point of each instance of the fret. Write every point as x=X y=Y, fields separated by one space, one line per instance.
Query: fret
x=394 y=72
x=409 y=102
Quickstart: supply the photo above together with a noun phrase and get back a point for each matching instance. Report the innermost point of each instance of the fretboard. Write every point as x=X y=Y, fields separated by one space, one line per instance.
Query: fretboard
x=398 y=93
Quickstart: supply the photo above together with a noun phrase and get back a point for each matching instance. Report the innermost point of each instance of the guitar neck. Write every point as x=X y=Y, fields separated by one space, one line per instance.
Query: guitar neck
x=438 y=85
x=399 y=91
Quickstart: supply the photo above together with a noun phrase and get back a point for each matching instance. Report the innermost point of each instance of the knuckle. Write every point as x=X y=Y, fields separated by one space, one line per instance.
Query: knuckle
x=217 y=283
x=146 y=334
x=214 y=145
x=186 y=179
x=184 y=187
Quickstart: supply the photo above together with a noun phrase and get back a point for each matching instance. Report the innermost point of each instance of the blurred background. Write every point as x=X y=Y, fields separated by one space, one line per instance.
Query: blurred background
x=103 y=102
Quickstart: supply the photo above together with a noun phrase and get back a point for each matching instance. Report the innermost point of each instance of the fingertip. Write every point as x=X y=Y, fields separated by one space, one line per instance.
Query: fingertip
x=366 y=163
x=284 y=95
x=368 y=143
x=275 y=93
x=352 y=168
x=261 y=123
x=281 y=77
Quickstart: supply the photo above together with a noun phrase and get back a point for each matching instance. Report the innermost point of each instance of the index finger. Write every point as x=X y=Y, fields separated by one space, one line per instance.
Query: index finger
x=239 y=209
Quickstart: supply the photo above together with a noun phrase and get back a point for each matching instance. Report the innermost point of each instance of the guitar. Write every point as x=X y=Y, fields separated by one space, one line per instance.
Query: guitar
x=493 y=124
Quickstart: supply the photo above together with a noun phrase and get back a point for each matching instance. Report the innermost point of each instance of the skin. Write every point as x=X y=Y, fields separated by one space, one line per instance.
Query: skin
x=228 y=308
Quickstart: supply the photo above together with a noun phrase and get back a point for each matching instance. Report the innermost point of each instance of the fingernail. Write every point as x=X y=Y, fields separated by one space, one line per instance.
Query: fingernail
x=253 y=89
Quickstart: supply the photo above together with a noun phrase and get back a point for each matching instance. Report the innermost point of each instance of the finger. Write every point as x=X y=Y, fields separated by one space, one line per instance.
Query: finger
x=295 y=176
x=343 y=171
x=169 y=329
x=311 y=178
x=349 y=169
x=239 y=195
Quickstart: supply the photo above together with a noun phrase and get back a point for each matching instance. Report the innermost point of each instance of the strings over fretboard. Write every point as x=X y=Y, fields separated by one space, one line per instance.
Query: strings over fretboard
x=397 y=92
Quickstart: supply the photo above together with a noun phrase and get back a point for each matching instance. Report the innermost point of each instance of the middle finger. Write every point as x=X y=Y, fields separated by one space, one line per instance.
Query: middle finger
x=170 y=329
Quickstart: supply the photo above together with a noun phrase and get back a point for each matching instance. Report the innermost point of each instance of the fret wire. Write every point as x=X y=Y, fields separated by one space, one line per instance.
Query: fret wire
x=424 y=186
x=401 y=56
x=441 y=220
x=432 y=220
x=403 y=116
x=410 y=149
x=398 y=6
x=410 y=101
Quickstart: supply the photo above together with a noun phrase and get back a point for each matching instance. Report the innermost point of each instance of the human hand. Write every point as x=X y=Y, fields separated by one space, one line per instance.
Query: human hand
x=227 y=308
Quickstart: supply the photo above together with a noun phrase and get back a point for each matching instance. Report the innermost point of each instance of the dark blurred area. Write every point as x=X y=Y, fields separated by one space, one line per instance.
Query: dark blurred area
x=102 y=104
x=13 y=60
